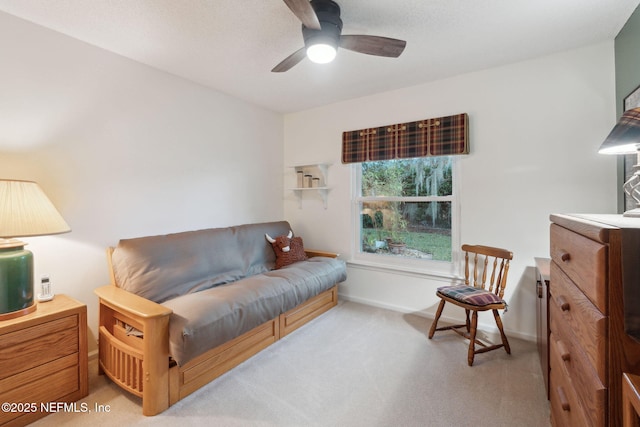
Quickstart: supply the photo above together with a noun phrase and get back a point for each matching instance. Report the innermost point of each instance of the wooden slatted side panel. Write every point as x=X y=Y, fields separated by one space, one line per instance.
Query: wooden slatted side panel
x=121 y=362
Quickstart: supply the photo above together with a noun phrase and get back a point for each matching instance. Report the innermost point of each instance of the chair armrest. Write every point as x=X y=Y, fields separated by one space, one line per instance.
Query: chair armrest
x=312 y=252
x=132 y=304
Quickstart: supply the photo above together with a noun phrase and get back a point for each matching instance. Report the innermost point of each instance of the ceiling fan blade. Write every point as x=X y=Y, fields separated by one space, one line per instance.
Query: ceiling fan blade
x=373 y=45
x=305 y=13
x=290 y=61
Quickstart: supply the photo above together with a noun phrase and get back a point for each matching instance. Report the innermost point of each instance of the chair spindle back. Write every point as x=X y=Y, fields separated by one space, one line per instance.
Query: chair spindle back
x=477 y=257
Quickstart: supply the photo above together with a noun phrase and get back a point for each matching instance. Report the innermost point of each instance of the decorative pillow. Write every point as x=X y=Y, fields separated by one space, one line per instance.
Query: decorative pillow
x=288 y=249
x=470 y=295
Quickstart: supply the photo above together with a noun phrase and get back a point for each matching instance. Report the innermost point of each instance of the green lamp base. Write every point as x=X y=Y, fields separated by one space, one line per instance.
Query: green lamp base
x=16 y=280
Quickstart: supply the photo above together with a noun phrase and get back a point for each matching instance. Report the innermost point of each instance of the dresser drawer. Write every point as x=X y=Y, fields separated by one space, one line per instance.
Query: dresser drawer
x=584 y=261
x=38 y=345
x=566 y=411
x=589 y=392
x=579 y=320
x=573 y=353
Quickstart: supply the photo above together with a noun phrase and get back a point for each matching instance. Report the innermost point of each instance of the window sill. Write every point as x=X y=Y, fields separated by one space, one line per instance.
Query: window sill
x=406 y=270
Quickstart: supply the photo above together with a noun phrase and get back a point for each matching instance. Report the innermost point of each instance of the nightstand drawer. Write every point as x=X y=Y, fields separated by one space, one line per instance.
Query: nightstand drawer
x=38 y=345
x=572 y=312
x=43 y=359
x=584 y=261
x=58 y=383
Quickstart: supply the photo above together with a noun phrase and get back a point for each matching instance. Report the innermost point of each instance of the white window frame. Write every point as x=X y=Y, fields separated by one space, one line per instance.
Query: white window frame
x=400 y=264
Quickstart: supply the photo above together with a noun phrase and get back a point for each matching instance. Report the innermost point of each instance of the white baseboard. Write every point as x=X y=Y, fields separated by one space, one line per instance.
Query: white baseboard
x=489 y=328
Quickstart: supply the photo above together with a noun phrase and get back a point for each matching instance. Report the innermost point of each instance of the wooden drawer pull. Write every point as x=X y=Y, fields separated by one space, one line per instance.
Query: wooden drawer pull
x=563 y=399
x=564 y=255
x=564 y=353
x=564 y=305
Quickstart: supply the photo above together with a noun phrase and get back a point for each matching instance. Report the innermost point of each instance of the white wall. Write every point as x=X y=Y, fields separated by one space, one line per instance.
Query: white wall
x=124 y=150
x=535 y=128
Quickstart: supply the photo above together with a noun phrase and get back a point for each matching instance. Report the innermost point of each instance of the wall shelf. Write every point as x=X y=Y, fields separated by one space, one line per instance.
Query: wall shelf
x=318 y=171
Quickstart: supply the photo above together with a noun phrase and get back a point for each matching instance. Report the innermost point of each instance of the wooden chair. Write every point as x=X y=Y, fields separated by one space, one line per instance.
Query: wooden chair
x=479 y=295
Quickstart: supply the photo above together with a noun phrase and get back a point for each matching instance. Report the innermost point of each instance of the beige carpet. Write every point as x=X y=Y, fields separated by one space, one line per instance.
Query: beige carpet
x=354 y=366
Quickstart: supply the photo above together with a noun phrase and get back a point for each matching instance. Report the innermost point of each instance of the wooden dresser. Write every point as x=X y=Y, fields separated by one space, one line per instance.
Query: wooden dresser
x=589 y=349
x=43 y=361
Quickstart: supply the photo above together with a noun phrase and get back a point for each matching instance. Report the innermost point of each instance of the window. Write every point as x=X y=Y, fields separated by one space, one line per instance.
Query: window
x=406 y=210
x=405 y=213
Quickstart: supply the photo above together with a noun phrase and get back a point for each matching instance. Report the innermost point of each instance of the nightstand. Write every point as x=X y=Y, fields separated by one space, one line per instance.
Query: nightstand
x=43 y=360
x=543 y=267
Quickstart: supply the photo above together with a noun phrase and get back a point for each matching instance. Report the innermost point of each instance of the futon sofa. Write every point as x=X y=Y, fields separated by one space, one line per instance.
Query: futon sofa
x=184 y=308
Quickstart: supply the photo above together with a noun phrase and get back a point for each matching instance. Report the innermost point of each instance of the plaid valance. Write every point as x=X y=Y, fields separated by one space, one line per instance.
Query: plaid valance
x=442 y=136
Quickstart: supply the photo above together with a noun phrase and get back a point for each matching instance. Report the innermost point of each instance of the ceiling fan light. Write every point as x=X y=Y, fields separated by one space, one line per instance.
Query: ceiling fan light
x=321 y=53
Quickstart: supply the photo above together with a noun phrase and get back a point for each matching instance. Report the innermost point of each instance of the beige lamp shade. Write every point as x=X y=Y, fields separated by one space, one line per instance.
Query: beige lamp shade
x=26 y=211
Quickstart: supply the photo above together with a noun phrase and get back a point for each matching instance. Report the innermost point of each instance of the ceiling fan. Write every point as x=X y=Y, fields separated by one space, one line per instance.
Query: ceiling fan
x=322 y=33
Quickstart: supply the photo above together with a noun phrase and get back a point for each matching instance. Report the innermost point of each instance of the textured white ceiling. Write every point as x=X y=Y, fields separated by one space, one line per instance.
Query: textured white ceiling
x=231 y=45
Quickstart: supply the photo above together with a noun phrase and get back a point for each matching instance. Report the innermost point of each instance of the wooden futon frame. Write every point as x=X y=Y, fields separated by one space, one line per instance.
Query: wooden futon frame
x=141 y=363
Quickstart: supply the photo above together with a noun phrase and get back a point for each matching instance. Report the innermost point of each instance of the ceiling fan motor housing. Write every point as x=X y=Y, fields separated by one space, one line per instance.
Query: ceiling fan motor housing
x=328 y=13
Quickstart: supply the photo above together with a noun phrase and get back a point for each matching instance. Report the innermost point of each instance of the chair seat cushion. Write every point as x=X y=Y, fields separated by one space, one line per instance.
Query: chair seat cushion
x=470 y=295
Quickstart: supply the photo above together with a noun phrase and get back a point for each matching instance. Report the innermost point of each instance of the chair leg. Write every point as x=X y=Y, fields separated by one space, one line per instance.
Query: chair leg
x=468 y=324
x=434 y=325
x=505 y=342
x=472 y=337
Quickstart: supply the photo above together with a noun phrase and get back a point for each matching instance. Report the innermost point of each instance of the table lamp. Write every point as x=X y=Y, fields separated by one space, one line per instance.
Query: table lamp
x=625 y=139
x=24 y=211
